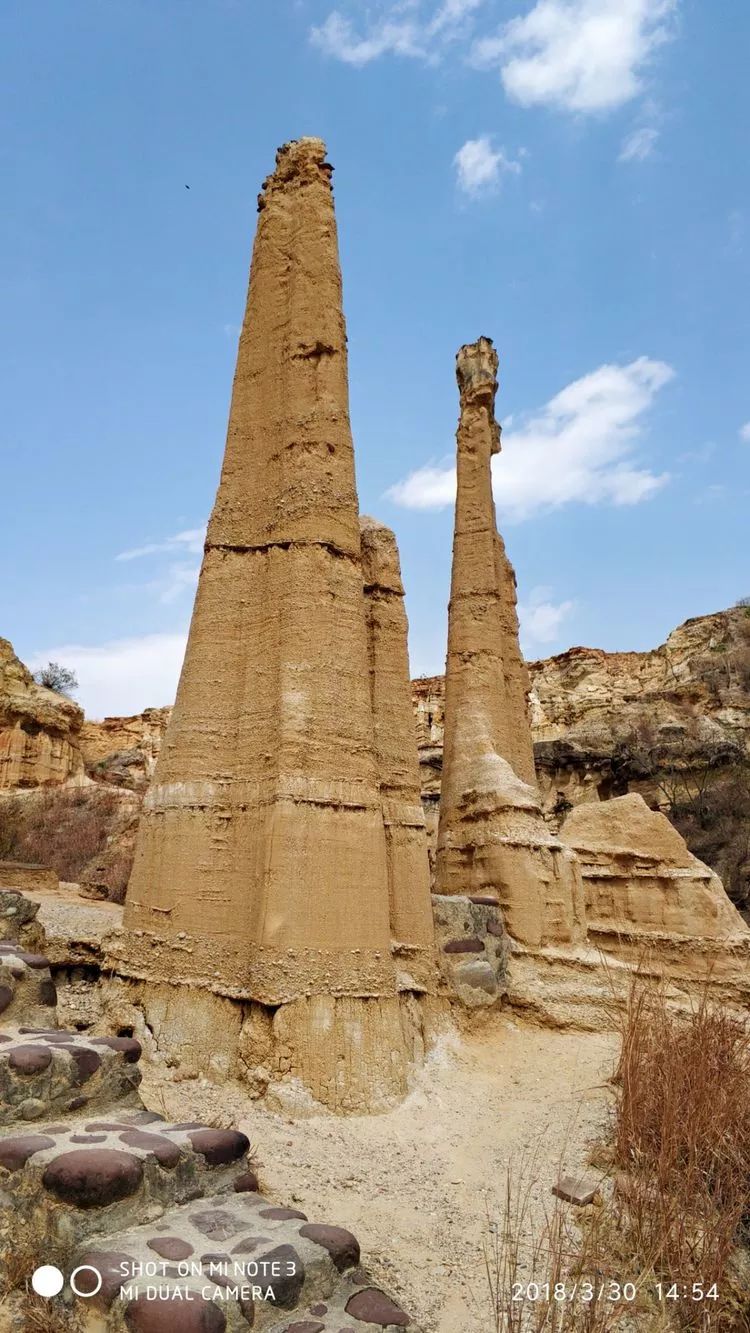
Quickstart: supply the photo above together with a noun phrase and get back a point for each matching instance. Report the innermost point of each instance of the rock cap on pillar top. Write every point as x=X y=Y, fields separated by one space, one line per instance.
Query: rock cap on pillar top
x=381 y=566
x=476 y=371
x=298 y=160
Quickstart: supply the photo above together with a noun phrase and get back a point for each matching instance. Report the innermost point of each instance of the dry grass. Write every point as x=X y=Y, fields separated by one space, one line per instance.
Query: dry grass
x=19 y=1302
x=42 y=1316
x=18 y=1265
x=538 y=1274
x=682 y=1136
x=68 y=830
x=676 y=1208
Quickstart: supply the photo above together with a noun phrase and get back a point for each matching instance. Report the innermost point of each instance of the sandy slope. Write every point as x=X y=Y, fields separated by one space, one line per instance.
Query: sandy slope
x=416 y=1184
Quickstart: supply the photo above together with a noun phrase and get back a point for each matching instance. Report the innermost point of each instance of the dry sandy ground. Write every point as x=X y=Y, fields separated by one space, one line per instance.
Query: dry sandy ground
x=417 y=1184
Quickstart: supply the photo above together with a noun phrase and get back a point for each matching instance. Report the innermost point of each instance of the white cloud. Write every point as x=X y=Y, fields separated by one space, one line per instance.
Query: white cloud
x=337 y=37
x=429 y=487
x=451 y=16
x=191 y=540
x=479 y=166
x=400 y=29
x=745 y=432
x=639 y=145
x=580 y=55
x=540 y=619
x=177 y=579
x=577 y=449
x=180 y=574
x=122 y=676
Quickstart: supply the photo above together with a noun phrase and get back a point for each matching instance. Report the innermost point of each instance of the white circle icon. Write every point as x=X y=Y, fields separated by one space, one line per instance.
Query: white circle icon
x=85 y=1268
x=47 y=1281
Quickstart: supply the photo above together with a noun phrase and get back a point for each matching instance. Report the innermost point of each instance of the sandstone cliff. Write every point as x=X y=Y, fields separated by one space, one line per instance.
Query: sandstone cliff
x=123 y=751
x=694 y=691
x=39 y=729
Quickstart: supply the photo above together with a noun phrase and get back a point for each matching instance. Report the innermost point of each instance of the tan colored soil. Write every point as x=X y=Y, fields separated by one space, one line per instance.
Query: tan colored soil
x=417 y=1184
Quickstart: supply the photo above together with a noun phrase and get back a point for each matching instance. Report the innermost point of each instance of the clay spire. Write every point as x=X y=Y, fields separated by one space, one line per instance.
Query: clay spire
x=261 y=867
x=412 y=929
x=488 y=674
x=491 y=836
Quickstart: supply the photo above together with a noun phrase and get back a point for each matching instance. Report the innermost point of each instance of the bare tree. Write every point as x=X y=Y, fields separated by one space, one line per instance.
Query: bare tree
x=58 y=678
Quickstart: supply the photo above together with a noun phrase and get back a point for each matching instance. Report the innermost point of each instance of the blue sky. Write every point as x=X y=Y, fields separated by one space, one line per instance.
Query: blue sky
x=568 y=177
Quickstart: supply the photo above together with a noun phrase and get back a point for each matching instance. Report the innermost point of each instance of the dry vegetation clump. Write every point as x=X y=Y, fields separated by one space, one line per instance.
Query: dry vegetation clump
x=717 y=829
x=83 y=833
x=673 y=1218
x=41 y=1316
x=682 y=1140
x=20 y=1307
x=545 y=1274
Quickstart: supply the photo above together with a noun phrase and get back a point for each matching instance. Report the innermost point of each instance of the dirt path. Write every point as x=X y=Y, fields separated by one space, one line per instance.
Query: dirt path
x=415 y=1185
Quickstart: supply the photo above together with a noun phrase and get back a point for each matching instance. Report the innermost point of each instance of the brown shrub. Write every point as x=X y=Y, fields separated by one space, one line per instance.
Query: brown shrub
x=682 y=1135
x=68 y=830
x=543 y=1274
x=677 y=1211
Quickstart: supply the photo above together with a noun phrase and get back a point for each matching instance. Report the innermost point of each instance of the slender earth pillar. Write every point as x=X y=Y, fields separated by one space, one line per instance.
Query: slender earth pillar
x=491 y=835
x=396 y=752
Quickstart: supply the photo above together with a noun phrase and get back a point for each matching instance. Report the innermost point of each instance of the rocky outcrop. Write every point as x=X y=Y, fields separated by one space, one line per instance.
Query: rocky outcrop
x=26 y=876
x=39 y=729
x=640 y=877
x=619 y=881
x=411 y=925
x=486 y=681
x=672 y=724
x=123 y=751
x=492 y=840
x=262 y=871
x=605 y=723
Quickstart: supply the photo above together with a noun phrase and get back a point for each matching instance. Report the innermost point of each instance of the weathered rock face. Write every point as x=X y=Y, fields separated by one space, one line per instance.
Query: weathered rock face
x=596 y=714
x=262 y=861
x=123 y=750
x=24 y=876
x=491 y=836
x=640 y=877
x=672 y=724
x=487 y=681
x=39 y=729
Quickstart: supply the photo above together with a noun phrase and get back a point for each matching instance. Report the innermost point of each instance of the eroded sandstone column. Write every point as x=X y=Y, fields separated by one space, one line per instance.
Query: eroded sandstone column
x=491 y=836
x=262 y=865
x=397 y=759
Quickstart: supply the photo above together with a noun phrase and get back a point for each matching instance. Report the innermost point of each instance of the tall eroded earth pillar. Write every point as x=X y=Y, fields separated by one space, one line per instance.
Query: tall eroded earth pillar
x=491 y=835
x=261 y=869
x=412 y=929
